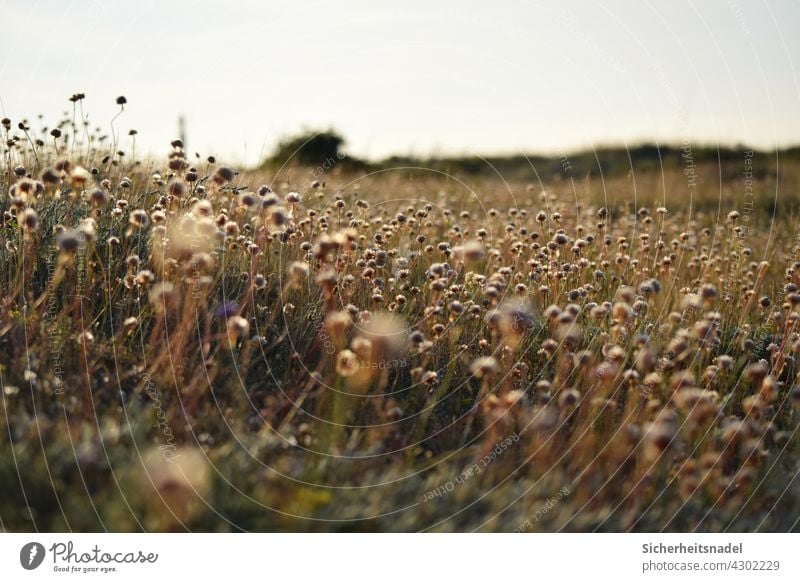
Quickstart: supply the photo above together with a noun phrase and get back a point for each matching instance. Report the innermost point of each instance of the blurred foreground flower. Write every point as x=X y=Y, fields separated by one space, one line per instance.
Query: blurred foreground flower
x=175 y=479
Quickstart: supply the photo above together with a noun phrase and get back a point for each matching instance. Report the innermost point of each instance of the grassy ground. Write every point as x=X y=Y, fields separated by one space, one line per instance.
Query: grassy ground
x=182 y=348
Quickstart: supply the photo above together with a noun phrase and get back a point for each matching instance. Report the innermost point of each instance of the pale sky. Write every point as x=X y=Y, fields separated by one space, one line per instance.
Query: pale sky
x=418 y=76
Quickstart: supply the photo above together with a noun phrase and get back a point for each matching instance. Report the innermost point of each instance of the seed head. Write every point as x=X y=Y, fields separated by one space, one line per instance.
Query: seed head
x=30 y=220
x=68 y=241
x=223 y=175
x=347 y=363
x=485 y=367
x=139 y=219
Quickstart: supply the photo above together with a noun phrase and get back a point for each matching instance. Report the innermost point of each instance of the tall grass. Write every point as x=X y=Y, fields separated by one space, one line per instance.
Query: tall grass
x=185 y=346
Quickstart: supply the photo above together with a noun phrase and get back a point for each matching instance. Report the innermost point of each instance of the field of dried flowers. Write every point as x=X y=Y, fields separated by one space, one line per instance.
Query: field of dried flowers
x=185 y=346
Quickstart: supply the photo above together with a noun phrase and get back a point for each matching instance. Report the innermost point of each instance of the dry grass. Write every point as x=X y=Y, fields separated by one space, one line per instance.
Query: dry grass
x=183 y=348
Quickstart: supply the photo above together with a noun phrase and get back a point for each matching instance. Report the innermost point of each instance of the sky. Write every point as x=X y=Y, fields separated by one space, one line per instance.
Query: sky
x=411 y=77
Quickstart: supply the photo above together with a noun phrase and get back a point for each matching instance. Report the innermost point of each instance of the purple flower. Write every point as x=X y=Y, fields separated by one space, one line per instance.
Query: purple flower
x=226 y=309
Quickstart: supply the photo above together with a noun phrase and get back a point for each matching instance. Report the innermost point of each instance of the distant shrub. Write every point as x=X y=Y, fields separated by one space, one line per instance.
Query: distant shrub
x=310 y=148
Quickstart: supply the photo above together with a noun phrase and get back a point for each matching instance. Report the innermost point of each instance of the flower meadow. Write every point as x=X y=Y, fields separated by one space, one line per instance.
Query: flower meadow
x=186 y=345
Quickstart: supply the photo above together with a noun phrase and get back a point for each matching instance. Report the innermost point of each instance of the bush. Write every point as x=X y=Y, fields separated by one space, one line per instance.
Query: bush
x=310 y=148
